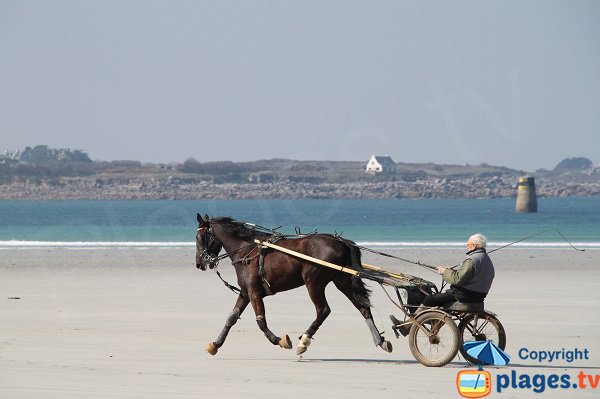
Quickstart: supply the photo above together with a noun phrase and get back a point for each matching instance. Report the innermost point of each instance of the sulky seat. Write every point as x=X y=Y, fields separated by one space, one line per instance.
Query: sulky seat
x=465 y=307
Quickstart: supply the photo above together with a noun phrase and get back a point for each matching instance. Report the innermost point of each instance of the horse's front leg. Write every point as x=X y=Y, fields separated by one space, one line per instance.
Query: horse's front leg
x=259 y=309
x=233 y=317
x=317 y=295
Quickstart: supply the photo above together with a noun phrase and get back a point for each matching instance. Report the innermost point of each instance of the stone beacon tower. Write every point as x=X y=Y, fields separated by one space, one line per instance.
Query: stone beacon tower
x=526 y=198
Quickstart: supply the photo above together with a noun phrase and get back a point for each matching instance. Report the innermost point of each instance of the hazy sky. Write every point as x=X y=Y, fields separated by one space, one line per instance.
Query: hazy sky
x=513 y=83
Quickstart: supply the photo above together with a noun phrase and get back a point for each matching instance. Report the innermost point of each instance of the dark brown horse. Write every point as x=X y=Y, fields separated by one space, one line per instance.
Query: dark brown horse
x=282 y=272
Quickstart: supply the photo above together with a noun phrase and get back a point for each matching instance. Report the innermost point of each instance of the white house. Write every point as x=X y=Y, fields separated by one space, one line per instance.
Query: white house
x=380 y=164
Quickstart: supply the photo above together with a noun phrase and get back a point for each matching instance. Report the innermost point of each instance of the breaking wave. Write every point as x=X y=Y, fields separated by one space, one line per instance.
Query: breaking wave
x=370 y=244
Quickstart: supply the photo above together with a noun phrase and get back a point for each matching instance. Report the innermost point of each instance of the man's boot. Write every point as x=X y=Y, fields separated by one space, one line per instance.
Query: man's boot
x=403 y=327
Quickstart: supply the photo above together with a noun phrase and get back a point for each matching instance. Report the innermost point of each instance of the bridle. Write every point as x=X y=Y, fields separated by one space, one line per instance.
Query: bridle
x=208 y=239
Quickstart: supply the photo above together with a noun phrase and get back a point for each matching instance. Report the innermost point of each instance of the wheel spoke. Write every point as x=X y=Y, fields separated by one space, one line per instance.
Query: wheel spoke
x=483 y=325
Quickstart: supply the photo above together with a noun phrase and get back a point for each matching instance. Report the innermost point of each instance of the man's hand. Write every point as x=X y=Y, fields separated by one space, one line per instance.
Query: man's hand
x=440 y=269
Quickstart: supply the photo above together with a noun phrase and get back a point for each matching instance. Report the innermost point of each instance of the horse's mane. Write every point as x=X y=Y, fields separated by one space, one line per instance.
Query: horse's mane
x=238 y=229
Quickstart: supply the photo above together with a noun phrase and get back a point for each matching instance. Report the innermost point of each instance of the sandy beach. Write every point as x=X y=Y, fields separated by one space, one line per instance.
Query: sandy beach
x=134 y=322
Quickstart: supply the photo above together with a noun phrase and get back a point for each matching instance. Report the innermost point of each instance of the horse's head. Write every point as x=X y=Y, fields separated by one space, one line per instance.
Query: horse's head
x=207 y=244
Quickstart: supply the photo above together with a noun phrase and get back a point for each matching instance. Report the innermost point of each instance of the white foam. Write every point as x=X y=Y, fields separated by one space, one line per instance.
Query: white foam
x=369 y=244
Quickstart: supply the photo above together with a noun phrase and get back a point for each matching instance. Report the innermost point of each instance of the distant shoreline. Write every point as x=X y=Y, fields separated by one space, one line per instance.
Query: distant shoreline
x=43 y=173
x=140 y=189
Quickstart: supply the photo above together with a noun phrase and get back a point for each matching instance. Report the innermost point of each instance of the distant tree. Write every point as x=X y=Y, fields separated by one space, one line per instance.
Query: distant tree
x=190 y=165
x=40 y=154
x=43 y=155
x=574 y=163
x=79 y=156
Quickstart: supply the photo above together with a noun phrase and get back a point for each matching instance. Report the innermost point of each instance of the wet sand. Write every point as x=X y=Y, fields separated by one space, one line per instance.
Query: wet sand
x=133 y=323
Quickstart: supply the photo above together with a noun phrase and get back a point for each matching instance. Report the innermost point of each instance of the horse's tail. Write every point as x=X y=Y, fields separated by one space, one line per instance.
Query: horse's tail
x=359 y=290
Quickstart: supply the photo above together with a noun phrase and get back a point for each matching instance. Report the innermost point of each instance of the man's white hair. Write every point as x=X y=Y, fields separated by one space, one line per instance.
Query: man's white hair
x=479 y=240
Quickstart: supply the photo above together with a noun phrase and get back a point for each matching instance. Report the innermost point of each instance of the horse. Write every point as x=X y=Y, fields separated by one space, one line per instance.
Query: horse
x=281 y=272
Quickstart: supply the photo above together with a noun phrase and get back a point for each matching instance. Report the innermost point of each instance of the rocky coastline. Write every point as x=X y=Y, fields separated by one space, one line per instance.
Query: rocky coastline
x=174 y=189
x=44 y=173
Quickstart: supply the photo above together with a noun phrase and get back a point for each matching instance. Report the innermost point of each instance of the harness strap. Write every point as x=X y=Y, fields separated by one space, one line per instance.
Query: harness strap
x=261 y=271
x=231 y=287
x=246 y=259
x=261 y=263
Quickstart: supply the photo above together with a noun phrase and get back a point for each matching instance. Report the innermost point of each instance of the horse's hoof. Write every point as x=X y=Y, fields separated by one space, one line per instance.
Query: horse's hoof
x=212 y=348
x=303 y=344
x=300 y=350
x=285 y=342
x=386 y=346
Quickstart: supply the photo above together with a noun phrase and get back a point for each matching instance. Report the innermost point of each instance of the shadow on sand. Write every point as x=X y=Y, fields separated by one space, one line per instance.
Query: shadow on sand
x=458 y=364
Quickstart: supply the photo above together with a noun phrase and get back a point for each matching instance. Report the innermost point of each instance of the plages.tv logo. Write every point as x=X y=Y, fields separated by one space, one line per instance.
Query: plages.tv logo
x=474 y=383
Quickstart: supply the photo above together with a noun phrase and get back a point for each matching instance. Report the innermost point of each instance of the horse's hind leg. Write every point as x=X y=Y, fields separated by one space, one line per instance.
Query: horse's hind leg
x=357 y=293
x=233 y=317
x=317 y=295
x=261 y=320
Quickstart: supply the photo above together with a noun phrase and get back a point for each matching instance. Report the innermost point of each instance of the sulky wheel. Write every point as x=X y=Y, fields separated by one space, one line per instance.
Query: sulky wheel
x=480 y=327
x=433 y=339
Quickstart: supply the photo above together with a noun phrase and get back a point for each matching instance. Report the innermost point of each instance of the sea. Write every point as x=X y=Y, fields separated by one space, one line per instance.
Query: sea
x=393 y=223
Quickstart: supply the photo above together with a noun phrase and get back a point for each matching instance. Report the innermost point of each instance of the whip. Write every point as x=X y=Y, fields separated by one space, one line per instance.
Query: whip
x=535 y=235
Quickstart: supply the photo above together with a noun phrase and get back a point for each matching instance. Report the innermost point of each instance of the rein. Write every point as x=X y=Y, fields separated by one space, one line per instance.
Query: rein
x=419 y=263
x=214 y=260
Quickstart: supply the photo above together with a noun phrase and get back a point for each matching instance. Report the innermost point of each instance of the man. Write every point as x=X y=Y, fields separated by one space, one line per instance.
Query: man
x=471 y=281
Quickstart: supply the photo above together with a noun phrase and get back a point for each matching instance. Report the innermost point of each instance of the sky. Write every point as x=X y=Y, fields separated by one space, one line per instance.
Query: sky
x=511 y=83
